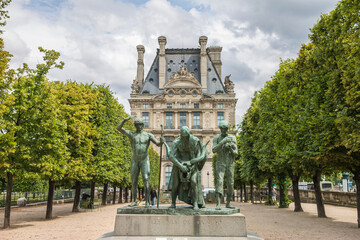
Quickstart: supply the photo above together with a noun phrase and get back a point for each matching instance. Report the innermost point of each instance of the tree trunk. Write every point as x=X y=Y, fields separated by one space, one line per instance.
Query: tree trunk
x=77 y=196
x=295 y=183
x=50 y=200
x=357 y=182
x=114 y=196
x=92 y=195
x=126 y=194
x=9 y=186
x=131 y=196
x=258 y=189
x=245 y=193
x=252 y=191
x=104 y=195
x=282 y=200
x=269 y=196
x=241 y=192
x=120 y=195
x=319 y=202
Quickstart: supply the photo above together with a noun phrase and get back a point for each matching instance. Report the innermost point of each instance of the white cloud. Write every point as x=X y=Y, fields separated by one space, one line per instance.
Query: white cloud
x=97 y=39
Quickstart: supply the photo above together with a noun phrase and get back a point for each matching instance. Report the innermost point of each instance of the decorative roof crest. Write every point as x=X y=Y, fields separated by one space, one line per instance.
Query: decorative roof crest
x=182 y=79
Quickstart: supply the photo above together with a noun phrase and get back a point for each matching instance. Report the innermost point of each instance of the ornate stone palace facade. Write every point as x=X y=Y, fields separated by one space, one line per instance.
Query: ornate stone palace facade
x=183 y=88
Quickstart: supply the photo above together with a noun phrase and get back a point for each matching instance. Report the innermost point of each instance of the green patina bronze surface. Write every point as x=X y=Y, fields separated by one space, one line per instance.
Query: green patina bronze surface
x=188 y=155
x=140 y=142
x=179 y=210
x=225 y=146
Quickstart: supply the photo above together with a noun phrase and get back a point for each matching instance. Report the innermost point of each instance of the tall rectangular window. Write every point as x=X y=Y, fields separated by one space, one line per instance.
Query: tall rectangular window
x=220 y=105
x=169 y=105
x=145 y=117
x=182 y=119
x=196 y=120
x=196 y=105
x=220 y=117
x=169 y=120
x=169 y=140
x=145 y=106
x=168 y=170
x=182 y=105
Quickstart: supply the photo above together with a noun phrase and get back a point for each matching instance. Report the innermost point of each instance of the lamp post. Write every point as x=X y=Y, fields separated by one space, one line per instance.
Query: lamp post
x=208 y=179
x=345 y=177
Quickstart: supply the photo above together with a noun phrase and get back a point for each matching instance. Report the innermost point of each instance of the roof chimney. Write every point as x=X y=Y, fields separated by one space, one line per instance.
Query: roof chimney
x=203 y=61
x=162 y=61
x=140 y=64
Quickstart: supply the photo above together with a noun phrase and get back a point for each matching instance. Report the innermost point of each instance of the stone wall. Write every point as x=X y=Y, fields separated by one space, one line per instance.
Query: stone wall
x=336 y=198
x=347 y=199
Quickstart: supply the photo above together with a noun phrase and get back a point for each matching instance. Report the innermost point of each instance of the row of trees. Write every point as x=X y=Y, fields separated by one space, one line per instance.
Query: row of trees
x=305 y=121
x=62 y=132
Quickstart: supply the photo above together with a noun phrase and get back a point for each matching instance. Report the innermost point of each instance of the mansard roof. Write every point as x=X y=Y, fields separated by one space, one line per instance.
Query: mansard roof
x=175 y=59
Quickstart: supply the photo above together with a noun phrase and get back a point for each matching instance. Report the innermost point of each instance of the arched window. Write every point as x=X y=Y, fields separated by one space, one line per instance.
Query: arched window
x=168 y=169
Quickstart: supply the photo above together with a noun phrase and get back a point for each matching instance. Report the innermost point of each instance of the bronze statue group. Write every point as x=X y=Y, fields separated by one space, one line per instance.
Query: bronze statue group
x=188 y=156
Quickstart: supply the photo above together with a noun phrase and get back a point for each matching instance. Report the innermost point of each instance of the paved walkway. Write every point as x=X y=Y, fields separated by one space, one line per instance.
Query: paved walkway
x=269 y=222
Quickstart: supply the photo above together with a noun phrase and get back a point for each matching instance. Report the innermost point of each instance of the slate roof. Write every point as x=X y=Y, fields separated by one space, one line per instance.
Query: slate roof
x=175 y=58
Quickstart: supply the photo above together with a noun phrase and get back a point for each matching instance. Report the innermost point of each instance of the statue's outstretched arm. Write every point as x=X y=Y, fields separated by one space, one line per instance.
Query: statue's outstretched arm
x=120 y=126
x=153 y=139
x=204 y=154
x=173 y=159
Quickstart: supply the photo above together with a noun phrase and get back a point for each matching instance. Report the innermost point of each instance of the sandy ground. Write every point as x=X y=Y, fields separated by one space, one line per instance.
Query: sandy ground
x=269 y=222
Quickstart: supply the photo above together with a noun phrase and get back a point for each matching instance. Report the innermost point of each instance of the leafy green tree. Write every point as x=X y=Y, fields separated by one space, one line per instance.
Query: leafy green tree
x=336 y=44
x=248 y=163
x=23 y=113
x=49 y=139
x=280 y=111
x=76 y=106
x=110 y=150
x=7 y=141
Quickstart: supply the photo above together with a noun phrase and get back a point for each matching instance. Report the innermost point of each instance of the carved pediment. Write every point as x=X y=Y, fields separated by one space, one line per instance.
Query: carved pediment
x=158 y=97
x=207 y=97
x=182 y=79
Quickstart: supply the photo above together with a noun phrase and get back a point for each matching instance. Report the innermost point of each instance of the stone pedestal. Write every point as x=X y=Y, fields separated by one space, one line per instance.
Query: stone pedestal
x=179 y=222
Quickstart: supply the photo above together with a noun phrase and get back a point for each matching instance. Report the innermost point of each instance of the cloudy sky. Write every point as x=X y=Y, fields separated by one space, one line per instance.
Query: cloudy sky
x=97 y=39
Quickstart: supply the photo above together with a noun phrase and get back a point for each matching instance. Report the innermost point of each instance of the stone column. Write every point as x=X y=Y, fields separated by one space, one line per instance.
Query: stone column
x=203 y=61
x=162 y=61
x=140 y=64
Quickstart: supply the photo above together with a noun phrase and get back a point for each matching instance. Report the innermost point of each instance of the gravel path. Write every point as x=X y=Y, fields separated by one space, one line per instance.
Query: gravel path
x=269 y=222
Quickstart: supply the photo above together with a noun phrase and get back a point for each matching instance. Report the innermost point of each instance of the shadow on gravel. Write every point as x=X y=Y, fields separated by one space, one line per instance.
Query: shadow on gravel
x=22 y=217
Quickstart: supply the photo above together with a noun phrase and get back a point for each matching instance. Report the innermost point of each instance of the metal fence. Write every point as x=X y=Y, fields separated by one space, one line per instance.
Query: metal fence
x=39 y=196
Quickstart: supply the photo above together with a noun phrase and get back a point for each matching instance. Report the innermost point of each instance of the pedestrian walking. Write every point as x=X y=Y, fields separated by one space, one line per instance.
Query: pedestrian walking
x=153 y=196
x=274 y=194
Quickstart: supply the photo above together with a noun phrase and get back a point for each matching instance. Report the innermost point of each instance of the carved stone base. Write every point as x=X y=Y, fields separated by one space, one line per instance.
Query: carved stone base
x=180 y=225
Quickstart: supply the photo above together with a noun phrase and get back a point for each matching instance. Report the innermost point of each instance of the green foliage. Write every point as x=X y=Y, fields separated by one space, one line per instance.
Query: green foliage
x=111 y=151
x=213 y=165
x=306 y=119
x=3 y=13
x=154 y=167
x=28 y=182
